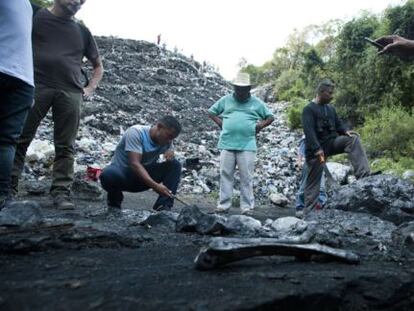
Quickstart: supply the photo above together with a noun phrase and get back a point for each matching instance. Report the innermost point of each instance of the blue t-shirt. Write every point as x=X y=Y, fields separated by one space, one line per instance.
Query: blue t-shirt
x=16 y=58
x=137 y=139
x=239 y=122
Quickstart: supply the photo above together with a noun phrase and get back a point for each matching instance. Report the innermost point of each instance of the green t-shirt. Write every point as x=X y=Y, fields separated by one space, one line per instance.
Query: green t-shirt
x=239 y=122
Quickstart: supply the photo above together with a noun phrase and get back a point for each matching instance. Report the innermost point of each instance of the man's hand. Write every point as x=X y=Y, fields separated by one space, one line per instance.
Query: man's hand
x=169 y=155
x=321 y=155
x=88 y=91
x=259 y=127
x=162 y=190
x=351 y=133
x=262 y=124
x=216 y=120
x=396 y=45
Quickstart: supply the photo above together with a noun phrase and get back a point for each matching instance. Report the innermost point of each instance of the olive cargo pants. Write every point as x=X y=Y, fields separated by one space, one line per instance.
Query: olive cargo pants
x=66 y=115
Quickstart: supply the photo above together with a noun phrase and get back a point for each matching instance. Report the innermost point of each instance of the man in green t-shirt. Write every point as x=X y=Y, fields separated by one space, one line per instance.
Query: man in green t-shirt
x=240 y=117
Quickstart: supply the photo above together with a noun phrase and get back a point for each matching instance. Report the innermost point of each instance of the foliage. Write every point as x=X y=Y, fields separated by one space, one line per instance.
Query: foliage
x=365 y=82
x=294 y=113
x=390 y=132
x=396 y=166
x=43 y=3
x=289 y=85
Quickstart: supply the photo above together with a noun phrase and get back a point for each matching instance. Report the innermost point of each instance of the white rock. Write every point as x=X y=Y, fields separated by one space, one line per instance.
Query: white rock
x=288 y=224
x=278 y=199
x=339 y=171
x=86 y=143
x=242 y=223
x=40 y=150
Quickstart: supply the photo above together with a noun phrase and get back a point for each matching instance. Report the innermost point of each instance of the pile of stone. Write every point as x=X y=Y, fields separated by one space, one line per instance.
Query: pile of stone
x=144 y=81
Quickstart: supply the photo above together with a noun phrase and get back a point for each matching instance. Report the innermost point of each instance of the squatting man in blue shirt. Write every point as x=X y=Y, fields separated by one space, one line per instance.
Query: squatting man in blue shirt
x=240 y=117
x=135 y=166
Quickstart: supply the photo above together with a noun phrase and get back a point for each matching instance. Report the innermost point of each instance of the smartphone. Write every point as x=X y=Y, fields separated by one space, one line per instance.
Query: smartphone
x=374 y=43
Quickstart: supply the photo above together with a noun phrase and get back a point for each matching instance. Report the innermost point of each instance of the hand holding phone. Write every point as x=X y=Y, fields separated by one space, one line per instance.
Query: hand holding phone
x=374 y=43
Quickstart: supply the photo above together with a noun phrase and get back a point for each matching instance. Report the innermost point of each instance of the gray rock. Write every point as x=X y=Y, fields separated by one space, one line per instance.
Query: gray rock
x=339 y=171
x=243 y=225
x=163 y=219
x=278 y=199
x=403 y=237
x=36 y=187
x=23 y=214
x=87 y=190
x=191 y=219
x=387 y=197
x=289 y=225
x=265 y=93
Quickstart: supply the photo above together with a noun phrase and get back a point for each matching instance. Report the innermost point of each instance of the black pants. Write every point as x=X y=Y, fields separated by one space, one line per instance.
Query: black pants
x=16 y=98
x=341 y=144
x=115 y=179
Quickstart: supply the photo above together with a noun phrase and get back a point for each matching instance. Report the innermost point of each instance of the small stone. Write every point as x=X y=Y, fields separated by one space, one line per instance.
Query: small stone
x=278 y=199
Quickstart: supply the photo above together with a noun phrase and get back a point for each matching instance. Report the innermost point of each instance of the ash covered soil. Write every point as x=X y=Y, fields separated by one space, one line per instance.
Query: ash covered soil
x=93 y=258
x=83 y=263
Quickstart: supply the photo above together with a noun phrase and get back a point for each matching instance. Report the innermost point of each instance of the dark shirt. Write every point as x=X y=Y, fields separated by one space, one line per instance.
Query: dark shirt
x=321 y=125
x=58 y=49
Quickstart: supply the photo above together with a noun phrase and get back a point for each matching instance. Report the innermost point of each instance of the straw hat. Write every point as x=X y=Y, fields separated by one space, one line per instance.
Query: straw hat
x=242 y=79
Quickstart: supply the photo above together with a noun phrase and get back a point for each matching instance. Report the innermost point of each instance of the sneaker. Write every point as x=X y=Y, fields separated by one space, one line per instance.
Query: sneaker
x=161 y=207
x=247 y=212
x=220 y=210
x=63 y=202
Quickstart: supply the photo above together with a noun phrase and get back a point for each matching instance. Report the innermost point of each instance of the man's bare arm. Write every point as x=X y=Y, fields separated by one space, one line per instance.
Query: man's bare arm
x=397 y=45
x=216 y=120
x=135 y=164
x=96 y=76
x=262 y=124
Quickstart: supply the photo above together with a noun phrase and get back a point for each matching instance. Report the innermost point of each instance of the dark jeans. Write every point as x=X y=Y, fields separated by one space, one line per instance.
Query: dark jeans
x=66 y=115
x=300 y=195
x=16 y=98
x=341 y=144
x=115 y=179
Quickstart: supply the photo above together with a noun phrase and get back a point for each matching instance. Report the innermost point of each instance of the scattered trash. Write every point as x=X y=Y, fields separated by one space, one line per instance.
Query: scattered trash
x=93 y=173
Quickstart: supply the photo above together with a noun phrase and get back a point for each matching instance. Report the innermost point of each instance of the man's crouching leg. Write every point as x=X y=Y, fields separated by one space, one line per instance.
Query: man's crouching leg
x=168 y=173
x=112 y=179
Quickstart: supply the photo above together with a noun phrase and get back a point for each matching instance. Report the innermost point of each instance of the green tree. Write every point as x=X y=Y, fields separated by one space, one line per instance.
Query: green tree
x=43 y=3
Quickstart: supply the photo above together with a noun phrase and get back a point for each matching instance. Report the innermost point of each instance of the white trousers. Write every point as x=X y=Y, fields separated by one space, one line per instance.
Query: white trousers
x=245 y=162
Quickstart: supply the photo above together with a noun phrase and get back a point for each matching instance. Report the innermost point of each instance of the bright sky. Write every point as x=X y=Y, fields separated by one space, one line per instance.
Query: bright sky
x=220 y=32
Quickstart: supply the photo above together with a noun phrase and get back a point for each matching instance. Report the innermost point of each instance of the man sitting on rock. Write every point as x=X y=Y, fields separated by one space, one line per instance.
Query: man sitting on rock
x=240 y=117
x=135 y=166
x=325 y=135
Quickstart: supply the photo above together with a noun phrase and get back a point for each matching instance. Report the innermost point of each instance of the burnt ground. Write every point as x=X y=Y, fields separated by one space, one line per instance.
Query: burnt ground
x=61 y=268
